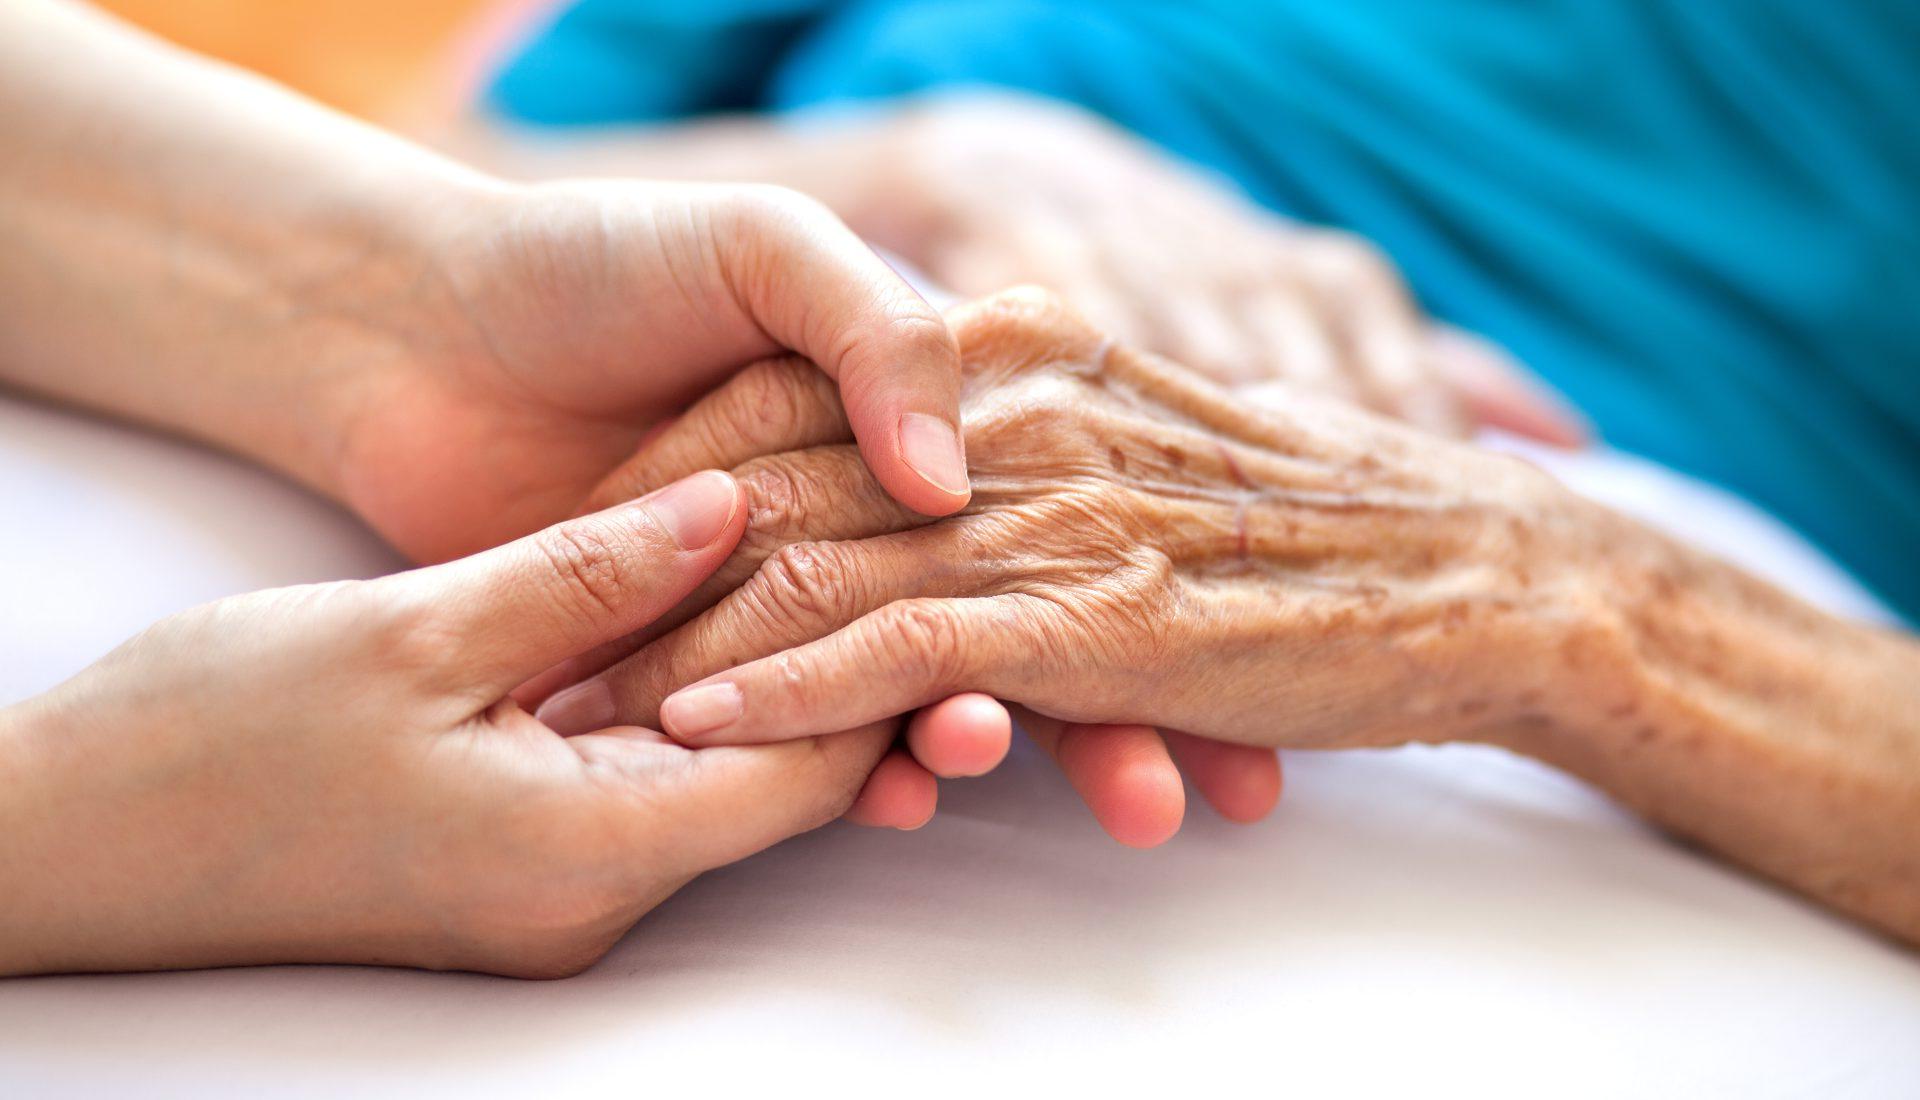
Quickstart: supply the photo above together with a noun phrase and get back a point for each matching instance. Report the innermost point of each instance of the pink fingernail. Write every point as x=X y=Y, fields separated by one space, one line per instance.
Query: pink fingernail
x=694 y=510
x=932 y=447
x=699 y=711
x=582 y=708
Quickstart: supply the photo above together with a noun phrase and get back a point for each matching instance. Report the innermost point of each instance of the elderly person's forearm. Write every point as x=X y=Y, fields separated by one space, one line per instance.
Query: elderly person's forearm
x=1732 y=714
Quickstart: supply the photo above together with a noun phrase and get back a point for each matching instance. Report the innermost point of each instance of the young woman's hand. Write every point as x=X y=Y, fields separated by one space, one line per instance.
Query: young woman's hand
x=456 y=358
x=547 y=329
x=336 y=773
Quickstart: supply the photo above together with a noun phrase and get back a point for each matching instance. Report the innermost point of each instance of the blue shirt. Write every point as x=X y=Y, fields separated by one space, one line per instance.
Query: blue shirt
x=1699 y=220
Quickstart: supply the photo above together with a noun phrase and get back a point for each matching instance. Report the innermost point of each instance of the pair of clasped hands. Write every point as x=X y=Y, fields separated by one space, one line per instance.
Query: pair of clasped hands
x=540 y=391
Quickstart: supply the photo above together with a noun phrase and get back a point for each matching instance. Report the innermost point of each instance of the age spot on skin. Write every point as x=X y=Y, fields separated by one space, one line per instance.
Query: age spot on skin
x=1117 y=459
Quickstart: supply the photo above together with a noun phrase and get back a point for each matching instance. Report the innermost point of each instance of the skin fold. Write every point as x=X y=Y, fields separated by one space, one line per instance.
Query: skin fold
x=1141 y=547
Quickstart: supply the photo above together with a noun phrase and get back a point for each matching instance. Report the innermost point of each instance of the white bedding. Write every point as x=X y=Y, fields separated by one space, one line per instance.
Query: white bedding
x=1450 y=921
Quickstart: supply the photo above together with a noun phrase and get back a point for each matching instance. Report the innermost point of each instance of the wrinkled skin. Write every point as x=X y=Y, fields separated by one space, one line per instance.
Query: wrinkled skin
x=1127 y=774
x=1138 y=543
x=1145 y=547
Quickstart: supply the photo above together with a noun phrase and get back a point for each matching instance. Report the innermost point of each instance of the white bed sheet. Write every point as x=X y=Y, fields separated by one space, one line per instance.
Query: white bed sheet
x=1417 y=922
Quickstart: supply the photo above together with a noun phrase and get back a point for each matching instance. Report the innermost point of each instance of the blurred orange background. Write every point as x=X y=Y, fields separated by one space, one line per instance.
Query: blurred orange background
x=375 y=58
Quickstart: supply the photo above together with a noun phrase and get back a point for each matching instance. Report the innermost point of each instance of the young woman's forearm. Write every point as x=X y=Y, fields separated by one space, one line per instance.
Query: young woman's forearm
x=169 y=227
x=1781 y=737
x=834 y=158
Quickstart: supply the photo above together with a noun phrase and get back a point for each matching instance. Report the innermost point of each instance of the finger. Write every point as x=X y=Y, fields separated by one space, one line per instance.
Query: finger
x=1240 y=782
x=702 y=809
x=802 y=592
x=817 y=496
x=770 y=408
x=900 y=794
x=522 y=607
x=1122 y=772
x=815 y=287
x=1297 y=348
x=966 y=735
x=1209 y=340
x=1362 y=300
x=1500 y=393
x=905 y=655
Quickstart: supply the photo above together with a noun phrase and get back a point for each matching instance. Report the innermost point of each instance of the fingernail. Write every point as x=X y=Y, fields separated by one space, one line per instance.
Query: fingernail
x=582 y=708
x=694 y=510
x=932 y=447
x=699 y=711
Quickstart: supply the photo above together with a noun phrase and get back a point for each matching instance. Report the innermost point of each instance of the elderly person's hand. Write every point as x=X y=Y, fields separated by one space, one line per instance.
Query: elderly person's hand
x=1143 y=547
x=335 y=773
x=990 y=191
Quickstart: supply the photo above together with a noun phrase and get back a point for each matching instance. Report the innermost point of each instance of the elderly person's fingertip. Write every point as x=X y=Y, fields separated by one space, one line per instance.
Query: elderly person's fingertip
x=582 y=708
x=697 y=713
x=962 y=737
x=1144 y=807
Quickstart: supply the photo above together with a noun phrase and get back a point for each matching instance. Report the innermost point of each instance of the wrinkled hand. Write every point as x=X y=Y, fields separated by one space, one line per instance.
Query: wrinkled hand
x=1141 y=548
x=552 y=326
x=335 y=773
x=994 y=191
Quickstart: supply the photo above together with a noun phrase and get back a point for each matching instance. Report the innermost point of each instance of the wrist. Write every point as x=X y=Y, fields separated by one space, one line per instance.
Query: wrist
x=376 y=317
x=1572 y=668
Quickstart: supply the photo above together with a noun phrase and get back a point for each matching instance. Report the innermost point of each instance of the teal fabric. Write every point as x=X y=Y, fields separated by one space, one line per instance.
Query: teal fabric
x=1700 y=220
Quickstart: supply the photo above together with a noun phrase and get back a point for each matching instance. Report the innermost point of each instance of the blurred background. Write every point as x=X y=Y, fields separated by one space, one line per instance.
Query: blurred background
x=379 y=59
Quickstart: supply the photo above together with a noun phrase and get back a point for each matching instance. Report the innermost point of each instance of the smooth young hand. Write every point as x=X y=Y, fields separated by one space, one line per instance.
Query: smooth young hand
x=335 y=773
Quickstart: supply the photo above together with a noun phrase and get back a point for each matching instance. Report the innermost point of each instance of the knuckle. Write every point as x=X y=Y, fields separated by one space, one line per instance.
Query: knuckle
x=806 y=581
x=778 y=499
x=757 y=410
x=769 y=399
x=1348 y=259
x=586 y=565
x=1022 y=328
x=928 y=636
